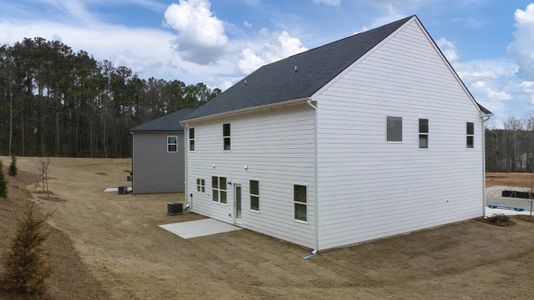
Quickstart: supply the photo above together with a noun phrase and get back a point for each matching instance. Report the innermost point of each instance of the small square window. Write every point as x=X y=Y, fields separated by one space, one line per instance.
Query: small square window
x=394 y=129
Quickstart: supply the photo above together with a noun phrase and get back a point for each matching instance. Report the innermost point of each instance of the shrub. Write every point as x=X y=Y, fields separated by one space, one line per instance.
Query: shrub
x=25 y=263
x=3 y=182
x=12 y=171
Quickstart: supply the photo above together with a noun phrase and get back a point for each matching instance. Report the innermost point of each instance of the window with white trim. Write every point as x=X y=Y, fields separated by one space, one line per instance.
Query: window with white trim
x=300 y=202
x=254 y=186
x=226 y=136
x=201 y=185
x=191 y=139
x=218 y=189
x=470 y=134
x=394 y=129
x=172 y=143
x=423 y=133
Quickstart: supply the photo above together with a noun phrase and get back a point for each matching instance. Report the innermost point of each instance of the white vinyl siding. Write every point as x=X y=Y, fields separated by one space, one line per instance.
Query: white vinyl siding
x=370 y=189
x=277 y=146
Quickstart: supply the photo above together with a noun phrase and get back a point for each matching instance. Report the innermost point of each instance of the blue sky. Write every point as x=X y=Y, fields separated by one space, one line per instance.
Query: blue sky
x=489 y=42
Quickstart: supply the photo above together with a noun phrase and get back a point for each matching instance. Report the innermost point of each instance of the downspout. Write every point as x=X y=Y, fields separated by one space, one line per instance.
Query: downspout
x=316 y=190
x=188 y=202
x=484 y=120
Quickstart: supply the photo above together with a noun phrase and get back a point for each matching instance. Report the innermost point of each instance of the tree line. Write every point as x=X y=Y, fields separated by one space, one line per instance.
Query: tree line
x=58 y=102
x=511 y=149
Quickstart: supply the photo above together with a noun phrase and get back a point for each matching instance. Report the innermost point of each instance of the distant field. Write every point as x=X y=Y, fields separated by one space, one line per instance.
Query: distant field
x=109 y=246
x=509 y=179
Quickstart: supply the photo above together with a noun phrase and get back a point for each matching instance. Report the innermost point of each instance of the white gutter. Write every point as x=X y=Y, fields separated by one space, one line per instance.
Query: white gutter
x=484 y=118
x=316 y=190
x=247 y=110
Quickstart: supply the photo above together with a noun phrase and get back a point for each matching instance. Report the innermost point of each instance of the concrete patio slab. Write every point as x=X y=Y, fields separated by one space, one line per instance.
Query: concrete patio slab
x=197 y=228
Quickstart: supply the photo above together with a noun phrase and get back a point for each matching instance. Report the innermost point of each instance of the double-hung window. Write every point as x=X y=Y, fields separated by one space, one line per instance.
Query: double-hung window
x=226 y=136
x=254 y=195
x=172 y=143
x=470 y=134
x=201 y=185
x=423 y=133
x=218 y=189
x=191 y=139
x=300 y=202
x=394 y=129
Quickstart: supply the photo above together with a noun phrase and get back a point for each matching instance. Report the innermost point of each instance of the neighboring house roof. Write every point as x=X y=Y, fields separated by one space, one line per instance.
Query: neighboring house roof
x=169 y=122
x=298 y=76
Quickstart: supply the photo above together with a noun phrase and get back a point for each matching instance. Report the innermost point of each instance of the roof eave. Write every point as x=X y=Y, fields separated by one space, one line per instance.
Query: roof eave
x=247 y=110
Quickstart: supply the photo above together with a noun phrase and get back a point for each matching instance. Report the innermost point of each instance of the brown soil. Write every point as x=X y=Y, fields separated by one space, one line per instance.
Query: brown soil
x=70 y=277
x=130 y=257
x=508 y=179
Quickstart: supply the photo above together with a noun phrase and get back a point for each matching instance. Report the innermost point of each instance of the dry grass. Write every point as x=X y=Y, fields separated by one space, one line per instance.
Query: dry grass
x=507 y=179
x=118 y=240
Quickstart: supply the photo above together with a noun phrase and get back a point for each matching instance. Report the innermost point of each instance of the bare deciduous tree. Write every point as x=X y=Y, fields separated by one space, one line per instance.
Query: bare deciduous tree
x=42 y=167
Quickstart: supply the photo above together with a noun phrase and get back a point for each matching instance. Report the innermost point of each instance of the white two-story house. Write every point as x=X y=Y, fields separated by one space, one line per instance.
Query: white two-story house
x=362 y=138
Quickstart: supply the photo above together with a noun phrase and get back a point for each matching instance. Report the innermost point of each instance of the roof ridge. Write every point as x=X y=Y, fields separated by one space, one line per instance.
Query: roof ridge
x=341 y=39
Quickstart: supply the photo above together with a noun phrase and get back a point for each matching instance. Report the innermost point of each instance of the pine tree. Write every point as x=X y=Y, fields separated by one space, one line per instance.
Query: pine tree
x=25 y=263
x=3 y=182
x=12 y=171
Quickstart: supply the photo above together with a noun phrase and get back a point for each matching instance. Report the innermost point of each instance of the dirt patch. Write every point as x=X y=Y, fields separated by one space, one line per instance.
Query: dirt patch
x=498 y=220
x=507 y=179
x=101 y=173
x=70 y=278
x=525 y=218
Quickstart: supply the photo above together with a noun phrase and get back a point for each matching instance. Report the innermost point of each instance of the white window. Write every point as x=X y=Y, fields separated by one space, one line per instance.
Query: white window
x=226 y=136
x=300 y=202
x=172 y=143
x=423 y=133
x=394 y=129
x=191 y=139
x=254 y=195
x=201 y=185
x=470 y=134
x=218 y=189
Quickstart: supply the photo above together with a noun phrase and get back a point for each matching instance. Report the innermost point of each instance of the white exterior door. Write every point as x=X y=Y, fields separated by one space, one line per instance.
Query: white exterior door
x=237 y=203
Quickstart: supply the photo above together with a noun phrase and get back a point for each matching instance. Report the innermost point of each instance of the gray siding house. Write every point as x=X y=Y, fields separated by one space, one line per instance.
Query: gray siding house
x=366 y=137
x=158 y=154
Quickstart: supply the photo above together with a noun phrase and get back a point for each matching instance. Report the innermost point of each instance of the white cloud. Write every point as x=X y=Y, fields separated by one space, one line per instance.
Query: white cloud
x=485 y=69
x=201 y=35
x=489 y=92
x=269 y=48
x=449 y=49
x=335 y=3
x=522 y=47
x=247 y=24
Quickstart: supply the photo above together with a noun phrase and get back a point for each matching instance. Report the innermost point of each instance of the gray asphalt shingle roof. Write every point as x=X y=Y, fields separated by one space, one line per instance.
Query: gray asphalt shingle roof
x=298 y=76
x=169 y=122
